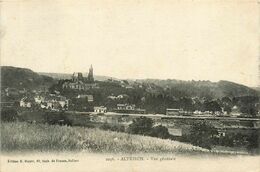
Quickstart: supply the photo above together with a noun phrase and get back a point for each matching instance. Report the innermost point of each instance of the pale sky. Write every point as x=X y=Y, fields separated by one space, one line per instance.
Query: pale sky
x=199 y=40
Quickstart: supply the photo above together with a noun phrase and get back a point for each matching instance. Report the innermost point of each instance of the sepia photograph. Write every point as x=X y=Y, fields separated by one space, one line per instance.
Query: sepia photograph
x=130 y=85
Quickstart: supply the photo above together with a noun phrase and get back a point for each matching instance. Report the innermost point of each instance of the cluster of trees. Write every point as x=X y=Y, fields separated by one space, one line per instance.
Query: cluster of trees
x=202 y=134
x=144 y=126
x=158 y=103
x=248 y=104
x=249 y=141
x=80 y=104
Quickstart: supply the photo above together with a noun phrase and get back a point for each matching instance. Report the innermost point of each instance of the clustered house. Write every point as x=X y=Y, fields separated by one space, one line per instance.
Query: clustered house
x=50 y=102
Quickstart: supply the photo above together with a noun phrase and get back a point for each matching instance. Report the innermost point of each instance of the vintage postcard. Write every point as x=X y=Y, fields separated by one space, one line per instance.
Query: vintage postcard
x=130 y=85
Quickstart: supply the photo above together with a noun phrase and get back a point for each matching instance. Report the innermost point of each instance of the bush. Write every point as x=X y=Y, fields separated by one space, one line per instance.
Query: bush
x=142 y=126
x=160 y=131
x=57 y=118
x=117 y=128
x=8 y=115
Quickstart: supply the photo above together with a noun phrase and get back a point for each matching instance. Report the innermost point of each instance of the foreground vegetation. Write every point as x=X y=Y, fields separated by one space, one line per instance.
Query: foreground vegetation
x=201 y=133
x=21 y=136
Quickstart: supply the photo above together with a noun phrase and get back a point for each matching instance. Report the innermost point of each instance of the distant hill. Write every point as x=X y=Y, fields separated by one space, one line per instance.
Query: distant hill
x=68 y=76
x=256 y=88
x=26 y=78
x=203 y=88
x=15 y=77
x=56 y=75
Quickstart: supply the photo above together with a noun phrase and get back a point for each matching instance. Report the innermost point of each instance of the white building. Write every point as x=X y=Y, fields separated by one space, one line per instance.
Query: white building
x=173 y=111
x=235 y=111
x=100 y=109
x=125 y=107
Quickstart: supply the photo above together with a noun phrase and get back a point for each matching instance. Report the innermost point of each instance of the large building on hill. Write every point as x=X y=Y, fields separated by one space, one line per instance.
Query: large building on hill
x=76 y=77
x=79 y=82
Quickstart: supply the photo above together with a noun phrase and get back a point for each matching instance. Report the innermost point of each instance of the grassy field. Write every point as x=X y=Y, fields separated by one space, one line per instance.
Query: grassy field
x=20 y=136
x=27 y=137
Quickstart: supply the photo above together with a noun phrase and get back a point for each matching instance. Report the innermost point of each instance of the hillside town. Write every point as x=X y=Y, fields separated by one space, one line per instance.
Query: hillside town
x=118 y=103
x=84 y=94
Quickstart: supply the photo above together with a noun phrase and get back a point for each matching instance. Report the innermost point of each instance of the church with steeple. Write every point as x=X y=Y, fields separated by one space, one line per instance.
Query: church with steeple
x=79 y=82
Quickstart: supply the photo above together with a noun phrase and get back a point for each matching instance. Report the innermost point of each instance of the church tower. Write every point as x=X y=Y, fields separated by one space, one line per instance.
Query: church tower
x=90 y=74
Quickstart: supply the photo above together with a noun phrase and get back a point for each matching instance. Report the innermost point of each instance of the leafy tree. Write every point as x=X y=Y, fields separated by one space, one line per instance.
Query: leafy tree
x=249 y=109
x=203 y=134
x=212 y=106
x=226 y=101
x=186 y=103
x=253 y=142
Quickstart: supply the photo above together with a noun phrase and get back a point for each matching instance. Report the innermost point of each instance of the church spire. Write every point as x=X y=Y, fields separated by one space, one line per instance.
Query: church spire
x=90 y=74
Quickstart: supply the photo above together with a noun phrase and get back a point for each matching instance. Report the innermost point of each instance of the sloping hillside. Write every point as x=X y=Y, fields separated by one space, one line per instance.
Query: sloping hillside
x=20 y=136
x=203 y=88
x=23 y=78
x=233 y=89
